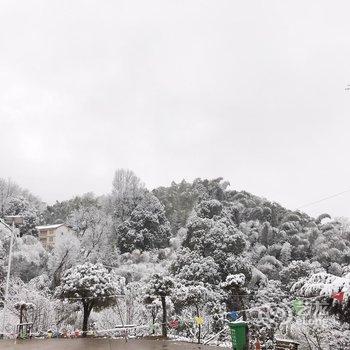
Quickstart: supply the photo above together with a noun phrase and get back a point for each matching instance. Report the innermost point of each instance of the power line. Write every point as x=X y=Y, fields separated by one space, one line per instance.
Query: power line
x=322 y=199
x=97 y=297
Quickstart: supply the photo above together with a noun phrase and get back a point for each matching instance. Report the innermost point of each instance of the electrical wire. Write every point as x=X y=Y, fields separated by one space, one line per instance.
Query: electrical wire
x=97 y=297
x=322 y=199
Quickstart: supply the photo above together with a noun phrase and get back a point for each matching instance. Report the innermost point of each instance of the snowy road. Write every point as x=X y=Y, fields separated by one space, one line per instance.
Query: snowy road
x=99 y=344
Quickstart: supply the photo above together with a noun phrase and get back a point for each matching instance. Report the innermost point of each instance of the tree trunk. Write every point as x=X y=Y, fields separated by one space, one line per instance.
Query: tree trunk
x=164 y=321
x=87 y=310
x=21 y=315
x=199 y=327
x=20 y=328
x=154 y=315
x=242 y=305
x=237 y=302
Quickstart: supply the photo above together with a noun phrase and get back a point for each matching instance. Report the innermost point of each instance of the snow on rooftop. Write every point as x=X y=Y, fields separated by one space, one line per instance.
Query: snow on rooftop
x=48 y=227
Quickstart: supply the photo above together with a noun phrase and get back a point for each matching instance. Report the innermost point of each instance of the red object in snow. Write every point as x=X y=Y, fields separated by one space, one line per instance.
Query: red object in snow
x=174 y=324
x=338 y=296
x=257 y=345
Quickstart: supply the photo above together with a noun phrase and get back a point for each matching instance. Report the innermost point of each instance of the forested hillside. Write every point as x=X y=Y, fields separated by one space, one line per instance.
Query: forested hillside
x=177 y=254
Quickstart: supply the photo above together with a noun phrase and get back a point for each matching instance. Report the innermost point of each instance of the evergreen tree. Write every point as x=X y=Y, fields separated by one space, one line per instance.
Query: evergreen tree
x=162 y=287
x=147 y=228
x=91 y=285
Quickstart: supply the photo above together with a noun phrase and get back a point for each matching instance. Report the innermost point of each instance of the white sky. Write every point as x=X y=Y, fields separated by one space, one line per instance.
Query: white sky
x=249 y=90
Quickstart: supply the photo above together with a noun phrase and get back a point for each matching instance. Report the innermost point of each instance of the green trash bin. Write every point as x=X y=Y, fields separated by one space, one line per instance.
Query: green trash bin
x=239 y=333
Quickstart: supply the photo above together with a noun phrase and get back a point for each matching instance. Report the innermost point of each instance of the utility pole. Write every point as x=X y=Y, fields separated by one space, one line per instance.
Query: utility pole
x=14 y=219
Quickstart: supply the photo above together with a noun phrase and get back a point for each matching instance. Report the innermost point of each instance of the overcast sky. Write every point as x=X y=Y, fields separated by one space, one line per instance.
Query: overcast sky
x=252 y=91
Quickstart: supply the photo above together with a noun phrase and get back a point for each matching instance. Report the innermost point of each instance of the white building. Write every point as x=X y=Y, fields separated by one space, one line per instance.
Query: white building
x=48 y=233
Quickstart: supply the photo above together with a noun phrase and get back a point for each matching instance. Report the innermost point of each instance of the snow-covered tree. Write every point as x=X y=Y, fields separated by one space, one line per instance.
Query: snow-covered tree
x=29 y=210
x=235 y=287
x=321 y=333
x=95 y=238
x=84 y=212
x=8 y=190
x=4 y=237
x=192 y=267
x=294 y=271
x=91 y=285
x=147 y=228
x=65 y=254
x=162 y=287
x=270 y=266
x=153 y=305
x=214 y=235
x=269 y=307
x=14 y=200
x=334 y=290
x=286 y=253
x=37 y=293
x=178 y=200
x=62 y=212
x=29 y=258
x=127 y=192
x=194 y=297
